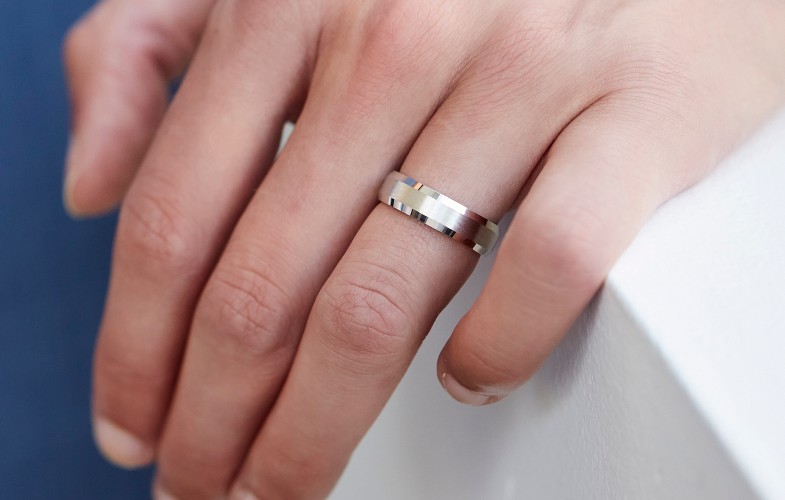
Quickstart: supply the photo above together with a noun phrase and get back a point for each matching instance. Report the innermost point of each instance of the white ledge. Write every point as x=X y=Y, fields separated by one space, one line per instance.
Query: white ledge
x=671 y=385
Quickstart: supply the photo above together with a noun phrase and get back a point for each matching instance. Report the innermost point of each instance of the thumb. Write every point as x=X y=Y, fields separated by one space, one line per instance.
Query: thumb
x=119 y=61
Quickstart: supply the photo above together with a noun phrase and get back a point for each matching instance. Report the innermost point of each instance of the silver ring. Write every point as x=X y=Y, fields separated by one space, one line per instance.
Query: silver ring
x=439 y=212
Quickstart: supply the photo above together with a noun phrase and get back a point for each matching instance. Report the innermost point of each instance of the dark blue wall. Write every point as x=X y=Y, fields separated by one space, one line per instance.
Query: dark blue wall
x=53 y=274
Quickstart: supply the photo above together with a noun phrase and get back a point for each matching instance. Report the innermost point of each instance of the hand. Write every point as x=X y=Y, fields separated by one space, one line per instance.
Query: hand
x=261 y=310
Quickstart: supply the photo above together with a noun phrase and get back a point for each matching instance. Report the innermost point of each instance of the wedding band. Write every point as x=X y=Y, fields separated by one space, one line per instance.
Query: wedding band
x=439 y=212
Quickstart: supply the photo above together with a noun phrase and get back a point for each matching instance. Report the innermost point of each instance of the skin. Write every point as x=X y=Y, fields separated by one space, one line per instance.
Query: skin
x=262 y=310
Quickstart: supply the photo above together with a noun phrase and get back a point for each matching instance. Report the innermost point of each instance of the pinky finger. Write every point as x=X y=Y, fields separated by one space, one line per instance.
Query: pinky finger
x=603 y=177
x=119 y=60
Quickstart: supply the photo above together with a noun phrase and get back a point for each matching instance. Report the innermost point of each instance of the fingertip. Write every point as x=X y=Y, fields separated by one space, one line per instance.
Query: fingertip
x=120 y=447
x=75 y=204
x=73 y=187
x=242 y=494
x=460 y=392
x=79 y=209
x=69 y=203
x=70 y=180
x=463 y=394
x=160 y=493
x=82 y=197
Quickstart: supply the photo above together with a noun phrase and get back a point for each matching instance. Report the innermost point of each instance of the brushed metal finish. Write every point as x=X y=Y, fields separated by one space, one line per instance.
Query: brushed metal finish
x=439 y=212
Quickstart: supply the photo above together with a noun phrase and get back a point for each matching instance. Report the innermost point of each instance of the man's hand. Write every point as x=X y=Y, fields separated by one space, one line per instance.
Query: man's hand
x=262 y=310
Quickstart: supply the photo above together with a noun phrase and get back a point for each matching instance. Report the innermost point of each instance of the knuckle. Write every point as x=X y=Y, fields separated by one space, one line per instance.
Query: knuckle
x=243 y=12
x=154 y=232
x=145 y=41
x=399 y=41
x=525 y=55
x=651 y=89
x=394 y=32
x=650 y=65
x=365 y=314
x=528 y=40
x=244 y=17
x=250 y=24
x=562 y=246
x=244 y=307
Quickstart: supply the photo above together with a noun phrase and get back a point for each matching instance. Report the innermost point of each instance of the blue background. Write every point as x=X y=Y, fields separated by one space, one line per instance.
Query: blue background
x=53 y=275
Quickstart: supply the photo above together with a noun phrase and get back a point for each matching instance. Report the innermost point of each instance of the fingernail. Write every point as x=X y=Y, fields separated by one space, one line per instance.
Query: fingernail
x=161 y=494
x=71 y=177
x=120 y=446
x=242 y=494
x=464 y=395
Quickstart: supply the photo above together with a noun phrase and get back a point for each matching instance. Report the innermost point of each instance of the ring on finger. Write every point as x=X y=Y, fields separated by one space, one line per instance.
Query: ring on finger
x=439 y=212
